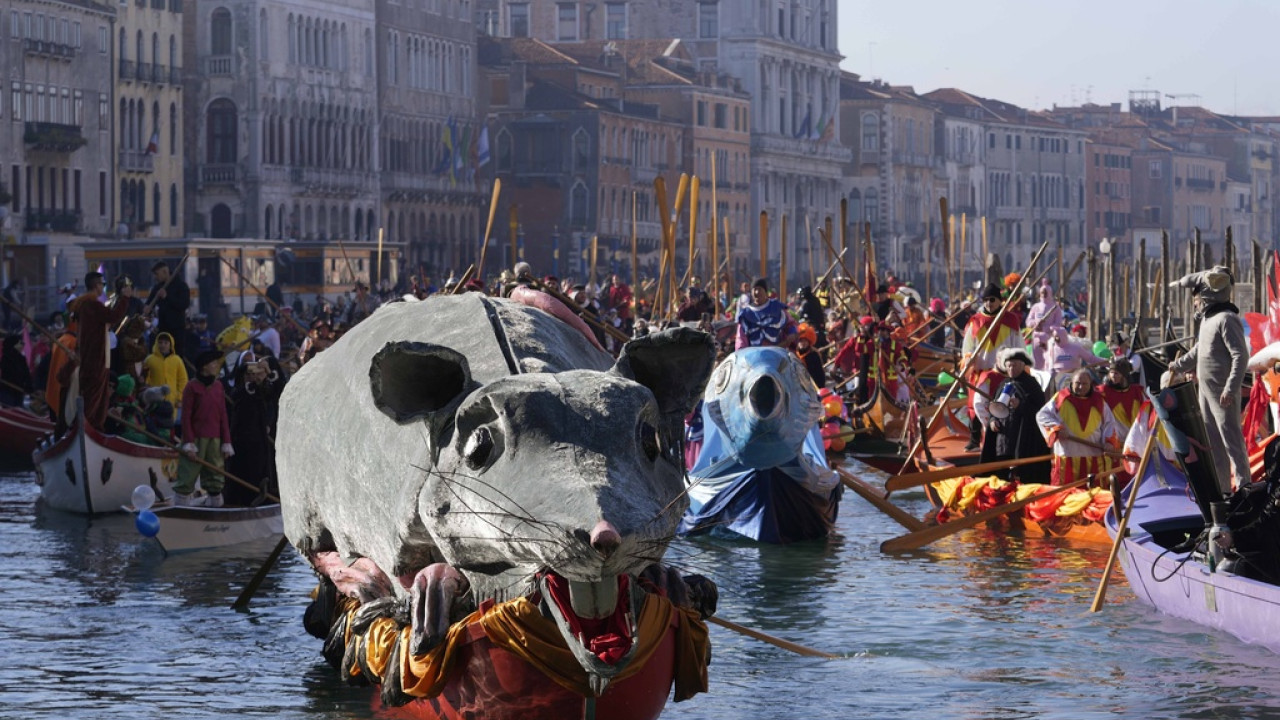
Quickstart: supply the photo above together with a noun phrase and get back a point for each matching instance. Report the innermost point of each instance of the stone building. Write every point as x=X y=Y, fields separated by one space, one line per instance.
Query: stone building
x=784 y=54
x=434 y=198
x=149 y=96
x=282 y=119
x=59 y=59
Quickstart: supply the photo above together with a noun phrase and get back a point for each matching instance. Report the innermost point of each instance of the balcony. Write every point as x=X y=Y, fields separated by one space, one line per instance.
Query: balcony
x=218 y=65
x=219 y=174
x=127 y=70
x=48 y=49
x=67 y=221
x=1199 y=184
x=175 y=76
x=136 y=161
x=158 y=74
x=53 y=137
x=144 y=72
x=643 y=175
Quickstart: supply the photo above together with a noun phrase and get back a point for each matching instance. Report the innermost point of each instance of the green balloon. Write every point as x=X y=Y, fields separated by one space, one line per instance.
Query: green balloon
x=1101 y=350
x=945 y=378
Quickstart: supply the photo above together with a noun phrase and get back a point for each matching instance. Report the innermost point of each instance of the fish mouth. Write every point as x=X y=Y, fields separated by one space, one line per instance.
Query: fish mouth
x=597 y=620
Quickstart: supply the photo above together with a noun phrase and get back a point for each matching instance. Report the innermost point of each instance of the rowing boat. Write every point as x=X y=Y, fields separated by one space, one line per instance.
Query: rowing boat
x=200 y=528
x=20 y=432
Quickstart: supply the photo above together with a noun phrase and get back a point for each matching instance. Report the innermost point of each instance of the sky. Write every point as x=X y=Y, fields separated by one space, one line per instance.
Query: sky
x=1036 y=53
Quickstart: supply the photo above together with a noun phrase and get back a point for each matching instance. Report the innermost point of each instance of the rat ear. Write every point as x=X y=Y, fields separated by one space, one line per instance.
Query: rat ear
x=413 y=381
x=674 y=364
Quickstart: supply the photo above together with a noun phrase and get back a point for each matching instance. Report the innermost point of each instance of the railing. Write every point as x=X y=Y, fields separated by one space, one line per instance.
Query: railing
x=158 y=75
x=136 y=161
x=175 y=75
x=1199 y=184
x=52 y=137
x=218 y=65
x=67 y=221
x=32 y=46
x=127 y=70
x=219 y=174
x=643 y=174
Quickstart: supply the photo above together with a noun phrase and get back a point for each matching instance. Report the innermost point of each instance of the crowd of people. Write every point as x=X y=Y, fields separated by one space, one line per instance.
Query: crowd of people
x=154 y=372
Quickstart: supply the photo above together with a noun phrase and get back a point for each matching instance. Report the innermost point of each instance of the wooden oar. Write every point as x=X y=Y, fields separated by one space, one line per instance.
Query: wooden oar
x=912 y=541
x=868 y=493
x=903 y=482
x=301 y=328
x=40 y=328
x=488 y=228
x=146 y=309
x=199 y=461
x=776 y=642
x=1123 y=526
x=945 y=322
x=242 y=600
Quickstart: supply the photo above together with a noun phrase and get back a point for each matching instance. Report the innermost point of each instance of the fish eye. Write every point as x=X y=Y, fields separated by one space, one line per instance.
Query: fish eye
x=479 y=447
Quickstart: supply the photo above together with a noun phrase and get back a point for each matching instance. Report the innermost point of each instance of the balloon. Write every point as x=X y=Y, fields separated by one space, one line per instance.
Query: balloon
x=832 y=405
x=837 y=444
x=1101 y=350
x=945 y=378
x=147 y=523
x=143 y=497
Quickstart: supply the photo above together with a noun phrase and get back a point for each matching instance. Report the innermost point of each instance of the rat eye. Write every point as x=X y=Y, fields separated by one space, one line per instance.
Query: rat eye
x=478 y=449
x=647 y=437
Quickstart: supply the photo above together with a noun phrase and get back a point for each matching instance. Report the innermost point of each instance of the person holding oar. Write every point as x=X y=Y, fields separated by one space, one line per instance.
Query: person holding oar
x=1080 y=426
x=981 y=347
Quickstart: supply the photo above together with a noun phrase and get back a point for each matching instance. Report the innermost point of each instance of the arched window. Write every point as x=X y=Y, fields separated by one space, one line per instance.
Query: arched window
x=124 y=45
x=855 y=207
x=871 y=209
x=578 y=206
x=221 y=124
x=173 y=205
x=504 y=144
x=581 y=150
x=155 y=205
x=263 y=38
x=870 y=132
x=173 y=53
x=173 y=128
x=220 y=32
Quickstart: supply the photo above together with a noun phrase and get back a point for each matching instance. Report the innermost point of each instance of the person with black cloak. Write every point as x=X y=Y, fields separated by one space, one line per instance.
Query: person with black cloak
x=169 y=299
x=252 y=414
x=1017 y=435
x=811 y=312
x=14 y=371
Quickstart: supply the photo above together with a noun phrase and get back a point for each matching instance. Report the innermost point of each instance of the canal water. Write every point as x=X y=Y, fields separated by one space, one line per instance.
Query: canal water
x=95 y=622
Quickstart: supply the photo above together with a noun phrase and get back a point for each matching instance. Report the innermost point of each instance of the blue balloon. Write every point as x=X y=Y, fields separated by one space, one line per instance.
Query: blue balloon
x=147 y=523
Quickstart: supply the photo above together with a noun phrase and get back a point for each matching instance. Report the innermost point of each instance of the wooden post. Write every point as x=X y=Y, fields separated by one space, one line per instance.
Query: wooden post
x=1141 y=297
x=1062 y=274
x=782 y=260
x=1229 y=254
x=1260 y=282
x=1091 y=273
x=1113 y=307
x=844 y=227
x=946 y=246
x=960 y=265
x=1165 y=278
x=711 y=235
x=764 y=243
x=635 y=257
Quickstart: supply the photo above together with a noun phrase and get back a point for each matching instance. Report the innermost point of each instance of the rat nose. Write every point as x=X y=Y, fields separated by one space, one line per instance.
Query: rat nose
x=605 y=538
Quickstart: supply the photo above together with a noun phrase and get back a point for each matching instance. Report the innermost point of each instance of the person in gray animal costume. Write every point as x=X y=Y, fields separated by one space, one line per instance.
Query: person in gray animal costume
x=1218 y=358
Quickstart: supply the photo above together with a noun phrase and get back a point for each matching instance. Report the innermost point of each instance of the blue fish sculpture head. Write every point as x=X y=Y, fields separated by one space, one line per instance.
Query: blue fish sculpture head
x=765 y=402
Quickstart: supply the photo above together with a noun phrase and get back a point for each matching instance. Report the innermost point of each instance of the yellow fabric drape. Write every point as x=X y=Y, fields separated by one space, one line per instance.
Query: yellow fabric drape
x=519 y=628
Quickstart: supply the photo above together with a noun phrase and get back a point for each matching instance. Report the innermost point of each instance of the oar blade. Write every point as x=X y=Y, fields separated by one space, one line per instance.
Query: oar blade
x=928 y=477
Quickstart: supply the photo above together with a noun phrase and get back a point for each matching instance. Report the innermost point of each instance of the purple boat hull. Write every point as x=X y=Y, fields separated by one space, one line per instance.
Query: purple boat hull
x=1248 y=609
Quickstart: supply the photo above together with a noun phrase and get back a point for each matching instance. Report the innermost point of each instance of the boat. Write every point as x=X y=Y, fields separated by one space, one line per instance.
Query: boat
x=21 y=431
x=1174 y=564
x=895 y=430
x=1073 y=515
x=88 y=472
x=1181 y=582
x=762 y=472
x=182 y=529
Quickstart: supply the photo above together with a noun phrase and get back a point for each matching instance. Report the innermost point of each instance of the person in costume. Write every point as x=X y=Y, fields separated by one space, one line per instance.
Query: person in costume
x=1218 y=359
x=169 y=299
x=806 y=339
x=95 y=321
x=1016 y=435
x=861 y=345
x=1044 y=317
x=765 y=321
x=1081 y=429
x=1065 y=354
x=1120 y=348
x=1121 y=394
x=163 y=367
x=206 y=434
x=980 y=355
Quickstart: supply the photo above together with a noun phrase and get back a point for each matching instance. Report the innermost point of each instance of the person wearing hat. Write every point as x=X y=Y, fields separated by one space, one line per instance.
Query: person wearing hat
x=1066 y=354
x=1120 y=349
x=1122 y=395
x=1015 y=435
x=858 y=352
x=1218 y=359
x=95 y=321
x=164 y=367
x=765 y=321
x=1079 y=425
x=206 y=434
x=1044 y=317
x=806 y=337
x=169 y=299
x=979 y=355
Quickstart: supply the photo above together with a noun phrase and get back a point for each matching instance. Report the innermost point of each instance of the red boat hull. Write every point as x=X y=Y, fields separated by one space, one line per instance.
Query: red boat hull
x=495 y=684
x=20 y=432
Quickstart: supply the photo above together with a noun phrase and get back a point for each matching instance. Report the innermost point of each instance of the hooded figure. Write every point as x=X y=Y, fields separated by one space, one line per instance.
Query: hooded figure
x=164 y=367
x=813 y=314
x=1218 y=358
x=1016 y=434
x=1044 y=317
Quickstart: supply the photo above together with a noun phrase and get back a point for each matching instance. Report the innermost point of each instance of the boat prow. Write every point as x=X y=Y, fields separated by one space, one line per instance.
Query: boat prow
x=184 y=529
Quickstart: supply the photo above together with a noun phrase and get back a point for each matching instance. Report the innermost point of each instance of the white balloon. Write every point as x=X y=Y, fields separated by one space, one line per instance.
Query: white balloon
x=143 y=497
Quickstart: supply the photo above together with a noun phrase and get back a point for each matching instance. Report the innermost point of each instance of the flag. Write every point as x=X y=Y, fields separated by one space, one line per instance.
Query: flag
x=153 y=147
x=451 y=144
x=482 y=148
x=803 y=131
x=827 y=132
x=473 y=156
x=446 y=152
x=816 y=131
